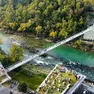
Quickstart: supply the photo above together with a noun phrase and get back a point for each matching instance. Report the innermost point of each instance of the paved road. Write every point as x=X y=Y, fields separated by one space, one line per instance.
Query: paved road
x=12 y=67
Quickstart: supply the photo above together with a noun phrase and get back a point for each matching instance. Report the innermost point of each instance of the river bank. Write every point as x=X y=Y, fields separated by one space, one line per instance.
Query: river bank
x=31 y=43
x=34 y=44
x=83 y=45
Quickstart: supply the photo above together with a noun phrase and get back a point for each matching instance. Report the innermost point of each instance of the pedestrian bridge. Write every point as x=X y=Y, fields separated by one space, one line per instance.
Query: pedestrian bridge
x=18 y=64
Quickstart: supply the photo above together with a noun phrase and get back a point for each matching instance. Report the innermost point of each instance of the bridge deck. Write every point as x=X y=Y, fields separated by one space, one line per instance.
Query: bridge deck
x=16 y=65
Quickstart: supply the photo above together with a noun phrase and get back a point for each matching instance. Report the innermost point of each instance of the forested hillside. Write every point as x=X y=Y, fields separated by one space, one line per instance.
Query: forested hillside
x=15 y=2
x=55 y=19
x=90 y=1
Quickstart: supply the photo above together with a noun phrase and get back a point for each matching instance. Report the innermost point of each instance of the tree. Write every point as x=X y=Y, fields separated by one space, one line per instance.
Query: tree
x=10 y=12
x=2 y=2
x=30 y=24
x=13 y=25
x=48 y=10
x=2 y=56
x=72 y=26
x=58 y=25
x=53 y=34
x=38 y=29
x=1 y=40
x=63 y=34
x=82 y=23
x=78 y=43
x=60 y=2
x=90 y=1
x=44 y=16
x=16 y=53
x=18 y=12
x=78 y=5
x=22 y=87
x=23 y=27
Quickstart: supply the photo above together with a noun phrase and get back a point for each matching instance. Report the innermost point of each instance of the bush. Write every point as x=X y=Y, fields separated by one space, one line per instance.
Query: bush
x=22 y=87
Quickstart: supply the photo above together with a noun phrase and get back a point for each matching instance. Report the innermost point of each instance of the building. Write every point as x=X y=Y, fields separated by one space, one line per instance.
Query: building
x=4 y=90
x=4 y=77
x=61 y=80
x=84 y=89
x=89 y=36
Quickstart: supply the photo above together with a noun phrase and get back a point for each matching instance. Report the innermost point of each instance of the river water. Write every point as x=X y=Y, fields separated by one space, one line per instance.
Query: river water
x=84 y=62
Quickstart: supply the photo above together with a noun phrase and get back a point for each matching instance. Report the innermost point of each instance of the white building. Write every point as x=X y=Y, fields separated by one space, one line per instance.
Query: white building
x=89 y=35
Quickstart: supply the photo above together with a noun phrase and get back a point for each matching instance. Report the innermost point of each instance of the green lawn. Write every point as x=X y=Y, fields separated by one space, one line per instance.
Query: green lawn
x=70 y=75
x=36 y=69
x=32 y=82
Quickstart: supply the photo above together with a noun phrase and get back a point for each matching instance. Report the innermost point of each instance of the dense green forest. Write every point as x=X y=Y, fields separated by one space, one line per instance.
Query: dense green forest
x=90 y=1
x=54 y=19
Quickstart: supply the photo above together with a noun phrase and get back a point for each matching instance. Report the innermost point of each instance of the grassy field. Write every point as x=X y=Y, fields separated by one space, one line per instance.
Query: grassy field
x=36 y=69
x=32 y=82
x=32 y=75
x=70 y=75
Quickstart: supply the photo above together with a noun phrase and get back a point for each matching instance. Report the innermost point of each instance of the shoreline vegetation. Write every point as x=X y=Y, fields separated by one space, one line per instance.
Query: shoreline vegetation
x=35 y=44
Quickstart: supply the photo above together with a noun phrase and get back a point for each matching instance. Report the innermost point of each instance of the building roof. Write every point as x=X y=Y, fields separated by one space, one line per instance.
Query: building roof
x=89 y=35
x=3 y=90
x=58 y=82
